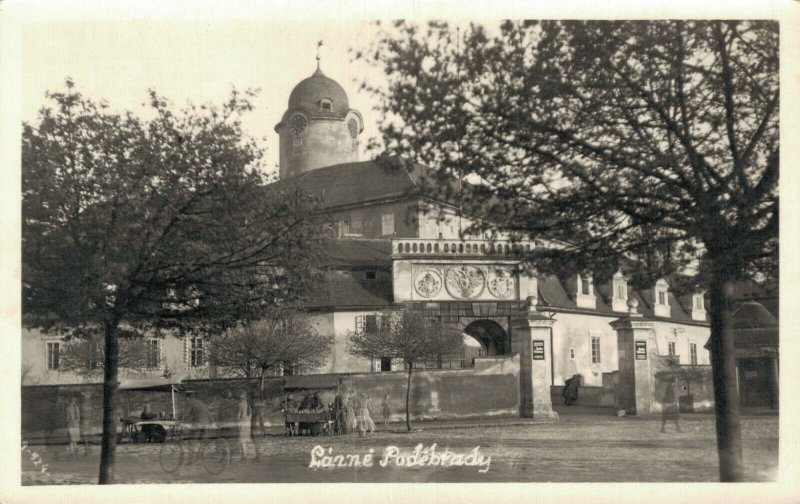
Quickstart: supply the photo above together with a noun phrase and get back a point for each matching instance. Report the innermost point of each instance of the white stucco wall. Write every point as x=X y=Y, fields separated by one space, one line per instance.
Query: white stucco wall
x=34 y=364
x=574 y=331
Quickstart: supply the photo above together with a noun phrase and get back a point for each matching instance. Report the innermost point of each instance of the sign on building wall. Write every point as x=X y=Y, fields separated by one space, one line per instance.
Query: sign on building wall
x=538 y=349
x=641 y=350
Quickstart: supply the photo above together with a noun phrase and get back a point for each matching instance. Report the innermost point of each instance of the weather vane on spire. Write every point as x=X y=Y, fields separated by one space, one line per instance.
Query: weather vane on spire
x=319 y=44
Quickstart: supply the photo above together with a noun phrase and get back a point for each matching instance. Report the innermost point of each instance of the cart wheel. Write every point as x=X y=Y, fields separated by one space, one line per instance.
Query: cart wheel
x=159 y=435
x=216 y=455
x=170 y=457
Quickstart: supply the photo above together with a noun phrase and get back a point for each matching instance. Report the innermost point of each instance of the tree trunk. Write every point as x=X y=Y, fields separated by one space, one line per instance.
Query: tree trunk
x=408 y=397
x=723 y=365
x=110 y=385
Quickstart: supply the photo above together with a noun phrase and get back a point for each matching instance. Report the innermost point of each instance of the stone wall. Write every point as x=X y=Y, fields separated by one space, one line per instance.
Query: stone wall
x=491 y=388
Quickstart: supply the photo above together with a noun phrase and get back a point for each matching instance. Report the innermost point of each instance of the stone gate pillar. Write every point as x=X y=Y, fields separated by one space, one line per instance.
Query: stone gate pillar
x=530 y=337
x=635 y=392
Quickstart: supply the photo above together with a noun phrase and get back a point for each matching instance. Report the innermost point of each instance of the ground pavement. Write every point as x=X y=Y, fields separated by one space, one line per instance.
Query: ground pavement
x=584 y=447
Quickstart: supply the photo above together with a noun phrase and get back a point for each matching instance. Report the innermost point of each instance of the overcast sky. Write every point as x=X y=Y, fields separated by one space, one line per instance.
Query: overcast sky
x=193 y=60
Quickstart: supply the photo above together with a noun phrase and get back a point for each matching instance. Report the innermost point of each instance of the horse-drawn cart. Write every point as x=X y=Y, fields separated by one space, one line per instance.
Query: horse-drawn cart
x=134 y=429
x=298 y=420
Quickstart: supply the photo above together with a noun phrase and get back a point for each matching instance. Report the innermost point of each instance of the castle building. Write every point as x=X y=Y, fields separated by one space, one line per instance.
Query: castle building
x=399 y=245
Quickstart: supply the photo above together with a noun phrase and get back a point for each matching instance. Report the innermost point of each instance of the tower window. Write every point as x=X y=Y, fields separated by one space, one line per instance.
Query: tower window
x=387 y=224
x=326 y=105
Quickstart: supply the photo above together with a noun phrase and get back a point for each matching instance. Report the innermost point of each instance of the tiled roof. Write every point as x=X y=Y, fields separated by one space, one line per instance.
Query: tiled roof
x=360 y=253
x=349 y=289
x=364 y=181
x=753 y=315
x=756 y=338
x=559 y=294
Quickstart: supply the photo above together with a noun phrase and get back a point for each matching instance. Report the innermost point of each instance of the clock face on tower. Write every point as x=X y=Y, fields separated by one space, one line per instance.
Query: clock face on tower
x=352 y=125
x=298 y=124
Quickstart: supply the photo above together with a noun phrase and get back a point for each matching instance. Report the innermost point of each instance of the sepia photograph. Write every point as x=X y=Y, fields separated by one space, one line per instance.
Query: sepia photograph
x=418 y=249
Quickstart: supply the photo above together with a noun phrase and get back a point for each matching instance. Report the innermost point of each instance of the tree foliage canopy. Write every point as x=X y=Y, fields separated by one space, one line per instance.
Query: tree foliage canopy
x=652 y=141
x=164 y=223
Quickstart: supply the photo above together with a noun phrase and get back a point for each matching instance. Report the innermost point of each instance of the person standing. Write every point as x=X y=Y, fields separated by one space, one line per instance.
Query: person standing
x=73 y=425
x=259 y=411
x=243 y=418
x=670 y=410
x=198 y=419
x=387 y=411
x=84 y=421
x=366 y=414
x=571 y=390
x=349 y=412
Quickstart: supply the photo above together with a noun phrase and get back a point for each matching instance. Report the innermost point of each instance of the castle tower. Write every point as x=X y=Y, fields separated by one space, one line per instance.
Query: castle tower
x=318 y=128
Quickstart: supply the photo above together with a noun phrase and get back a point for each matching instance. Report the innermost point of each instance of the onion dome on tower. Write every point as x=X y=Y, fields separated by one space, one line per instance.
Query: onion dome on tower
x=318 y=128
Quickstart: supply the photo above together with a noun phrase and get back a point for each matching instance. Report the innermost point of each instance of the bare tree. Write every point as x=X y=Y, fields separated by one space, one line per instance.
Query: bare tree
x=408 y=335
x=85 y=355
x=281 y=338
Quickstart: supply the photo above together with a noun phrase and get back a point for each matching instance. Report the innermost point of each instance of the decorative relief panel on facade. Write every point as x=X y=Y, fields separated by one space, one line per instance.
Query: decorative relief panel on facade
x=428 y=283
x=465 y=281
x=501 y=284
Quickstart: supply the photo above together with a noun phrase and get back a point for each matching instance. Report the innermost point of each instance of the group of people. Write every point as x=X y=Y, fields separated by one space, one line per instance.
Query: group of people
x=351 y=411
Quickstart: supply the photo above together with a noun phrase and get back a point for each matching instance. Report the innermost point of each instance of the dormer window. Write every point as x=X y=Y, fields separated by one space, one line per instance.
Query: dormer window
x=698 y=306
x=619 y=297
x=662 y=308
x=585 y=289
x=326 y=105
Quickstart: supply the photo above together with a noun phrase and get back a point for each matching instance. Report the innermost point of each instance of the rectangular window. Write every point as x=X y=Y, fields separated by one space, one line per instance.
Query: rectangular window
x=153 y=353
x=572 y=353
x=371 y=323
x=53 y=348
x=343 y=228
x=595 y=350
x=386 y=363
x=693 y=353
x=196 y=355
x=366 y=323
x=387 y=224
x=92 y=359
x=585 y=285
x=671 y=348
x=620 y=291
x=355 y=226
x=662 y=298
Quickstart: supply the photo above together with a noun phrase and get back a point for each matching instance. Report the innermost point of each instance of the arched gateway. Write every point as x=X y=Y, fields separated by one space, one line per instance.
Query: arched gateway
x=492 y=337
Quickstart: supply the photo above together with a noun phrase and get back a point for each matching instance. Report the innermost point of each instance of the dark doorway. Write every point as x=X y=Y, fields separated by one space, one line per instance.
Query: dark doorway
x=755 y=381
